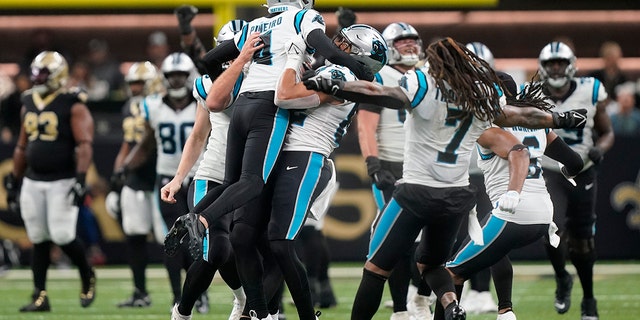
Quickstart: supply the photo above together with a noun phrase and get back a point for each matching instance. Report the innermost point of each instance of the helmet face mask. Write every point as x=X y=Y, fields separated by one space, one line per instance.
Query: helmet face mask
x=179 y=73
x=393 y=35
x=140 y=78
x=49 y=72
x=365 y=43
x=556 y=64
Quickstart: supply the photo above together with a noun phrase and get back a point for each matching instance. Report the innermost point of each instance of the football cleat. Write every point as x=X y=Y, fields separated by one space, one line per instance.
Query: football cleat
x=89 y=294
x=39 y=303
x=238 y=307
x=419 y=307
x=326 y=297
x=589 y=308
x=175 y=314
x=563 y=293
x=139 y=299
x=174 y=237
x=454 y=311
x=402 y=315
x=202 y=304
x=509 y=315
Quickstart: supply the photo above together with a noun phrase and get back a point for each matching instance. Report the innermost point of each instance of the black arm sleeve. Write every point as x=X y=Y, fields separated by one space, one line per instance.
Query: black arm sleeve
x=325 y=47
x=213 y=60
x=386 y=101
x=558 y=150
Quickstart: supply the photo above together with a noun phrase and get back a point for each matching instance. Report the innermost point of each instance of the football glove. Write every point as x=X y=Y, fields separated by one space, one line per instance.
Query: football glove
x=112 y=204
x=509 y=201
x=12 y=185
x=346 y=17
x=573 y=119
x=185 y=13
x=117 y=180
x=595 y=155
x=382 y=178
x=566 y=174
x=321 y=84
x=78 y=191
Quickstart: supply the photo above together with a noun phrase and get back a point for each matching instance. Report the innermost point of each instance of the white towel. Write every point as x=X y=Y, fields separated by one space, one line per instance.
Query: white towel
x=475 y=230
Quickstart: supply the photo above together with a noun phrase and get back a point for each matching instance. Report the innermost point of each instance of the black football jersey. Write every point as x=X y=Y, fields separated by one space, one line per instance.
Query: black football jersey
x=133 y=128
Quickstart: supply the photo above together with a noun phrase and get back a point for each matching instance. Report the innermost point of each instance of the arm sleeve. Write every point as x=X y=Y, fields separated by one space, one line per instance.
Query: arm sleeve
x=213 y=60
x=561 y=152
x=325 y=47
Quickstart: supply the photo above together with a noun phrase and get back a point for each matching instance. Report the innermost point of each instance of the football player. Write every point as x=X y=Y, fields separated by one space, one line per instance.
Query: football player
x=55 y=121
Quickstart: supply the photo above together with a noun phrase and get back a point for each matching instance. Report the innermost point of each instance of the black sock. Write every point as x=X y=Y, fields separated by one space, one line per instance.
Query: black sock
x=174 y=269
x=295 y=276
x=138 y=259
x=502 y=273
x=75 y=251
x=244 y=241
x=584 y=267
x=439 y=280
x=557 y=257
x=40 y=261
x=368 y=296
x=229 y=273
x=196 y=282
x=480 y=280
x=399 y=283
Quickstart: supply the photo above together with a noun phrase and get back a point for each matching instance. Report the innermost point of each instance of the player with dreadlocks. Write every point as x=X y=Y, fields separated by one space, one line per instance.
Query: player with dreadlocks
x=451 y=104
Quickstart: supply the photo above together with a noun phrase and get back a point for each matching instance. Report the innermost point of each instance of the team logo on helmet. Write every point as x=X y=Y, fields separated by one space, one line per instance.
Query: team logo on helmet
x=338 y=75
x=379 y=51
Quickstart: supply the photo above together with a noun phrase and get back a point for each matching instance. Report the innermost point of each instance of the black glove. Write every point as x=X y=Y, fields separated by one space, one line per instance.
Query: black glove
x=319 y=83
x=573 y=119
x=117 y=180
x=12 y=185
x=346 y=17
x=382 y=178
x=79 y=190
x=185 y=14
x=596 y=155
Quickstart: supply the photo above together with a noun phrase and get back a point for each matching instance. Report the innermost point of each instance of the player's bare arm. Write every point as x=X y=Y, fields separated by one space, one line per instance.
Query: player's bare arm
x=19 y=156
x=83 y=129
x=223 y=85
x=367 y=126
x=602 y=125
x=507 y=146
x=141 y=151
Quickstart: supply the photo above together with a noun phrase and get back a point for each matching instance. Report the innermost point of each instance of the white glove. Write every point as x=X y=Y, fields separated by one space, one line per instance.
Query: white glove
x=509 y=201
x=295 y=49
x=112 y=204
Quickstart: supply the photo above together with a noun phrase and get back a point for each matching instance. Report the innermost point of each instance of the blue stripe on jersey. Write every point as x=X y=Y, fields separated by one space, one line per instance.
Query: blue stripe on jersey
x=199 y=190
x=485 y=156
x=281 y=122
x=423 y=87
x=378 y=78
x=490 y=232
x=236 y=87
x=547 y=130
x=303 y=200
x=297 y=21
x=205 y=246
x=387 y=218
x=202 y=92
x=594 y=94
x=243 y=36
x=378 y=197
x=146 y=109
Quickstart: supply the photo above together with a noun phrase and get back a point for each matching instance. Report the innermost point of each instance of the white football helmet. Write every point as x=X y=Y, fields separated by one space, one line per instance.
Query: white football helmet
x=281 y=5
x=482 y=52
x=557 y=51
x=397 y=31
x=229 y=30
x=367 y=44
x=201 y=88
x=49 y=72
x=143 y=71
x=178 y=62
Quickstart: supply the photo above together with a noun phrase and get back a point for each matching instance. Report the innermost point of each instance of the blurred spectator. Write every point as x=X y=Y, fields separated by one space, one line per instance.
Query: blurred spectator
x=105 y=69
x=80 y=76
x=610 y=75
x=10 y=105
x=40 y=40
x=157 y=48
x=626 y=120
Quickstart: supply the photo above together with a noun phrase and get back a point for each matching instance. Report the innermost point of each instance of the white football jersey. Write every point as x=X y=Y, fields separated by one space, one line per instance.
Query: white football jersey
x=390 y=131
x=438 y=146
x=588 y=92
x=533 y=207
x=171 y=129
x=268 y=63
x=320 y=129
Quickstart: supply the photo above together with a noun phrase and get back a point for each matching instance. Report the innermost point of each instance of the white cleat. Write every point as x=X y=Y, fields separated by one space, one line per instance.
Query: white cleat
x=420 y=307
x=402 y=315
x=509 y=315
x=254 y=316
x=175 y=315
x=238 y=307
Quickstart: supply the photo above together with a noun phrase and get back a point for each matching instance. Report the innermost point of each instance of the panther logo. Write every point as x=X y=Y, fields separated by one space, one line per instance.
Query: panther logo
x=338 y=75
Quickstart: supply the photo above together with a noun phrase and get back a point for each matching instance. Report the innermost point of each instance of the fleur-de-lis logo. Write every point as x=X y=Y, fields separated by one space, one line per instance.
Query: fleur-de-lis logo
x=625 y=195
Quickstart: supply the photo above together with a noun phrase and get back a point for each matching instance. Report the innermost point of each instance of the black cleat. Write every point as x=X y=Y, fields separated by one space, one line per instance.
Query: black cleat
x=139 y=299
x=190 y=226
x=89 y=294
x=174 y=237
x=589 y=308
x=563 y=293
x=40 y=303
x=454 y=311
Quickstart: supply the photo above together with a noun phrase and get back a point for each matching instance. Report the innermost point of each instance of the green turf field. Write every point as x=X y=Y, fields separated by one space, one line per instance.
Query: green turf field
x=617 y=290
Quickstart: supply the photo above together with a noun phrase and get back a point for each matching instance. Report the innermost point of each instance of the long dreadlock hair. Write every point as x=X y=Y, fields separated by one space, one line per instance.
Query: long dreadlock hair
x=531 y=95
x=465 y=79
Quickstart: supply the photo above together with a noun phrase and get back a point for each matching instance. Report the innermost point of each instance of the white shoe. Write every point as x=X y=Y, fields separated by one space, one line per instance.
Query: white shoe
x=175 y=315
x=238 y=307
x=254 y=316
x=412 y=291
x=388 y=304
x=485 y=303
x=468 y=300
x=509 y=315
x=420 y=307
x=402 y=315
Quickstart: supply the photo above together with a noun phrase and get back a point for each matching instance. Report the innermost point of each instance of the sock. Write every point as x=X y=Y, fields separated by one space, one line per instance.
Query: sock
x=196 y=282
x=399 y=283
x=244 y=241
x=40 y=261
x=295 y=276
x=138 y=260
x=229 y=273
x=174 y=270
x=480 y=280
x=368 y=296
x=557 y=257
x=75 y=251
x=502 y=273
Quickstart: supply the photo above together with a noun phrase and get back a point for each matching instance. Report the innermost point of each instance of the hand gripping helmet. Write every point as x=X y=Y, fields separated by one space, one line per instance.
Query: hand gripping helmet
x=227 y=32
x=482 y=52
x=144 y=72
x=398 y=31
x=49 y=72
x=174 y=63
x=367 y=44
x=556 y=51
x=281 y=5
